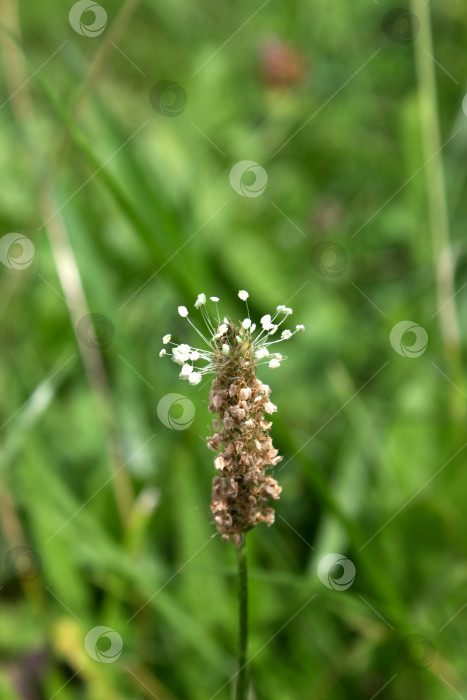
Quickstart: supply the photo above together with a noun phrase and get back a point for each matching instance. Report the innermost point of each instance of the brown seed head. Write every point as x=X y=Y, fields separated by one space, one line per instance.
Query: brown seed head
x=241 y=490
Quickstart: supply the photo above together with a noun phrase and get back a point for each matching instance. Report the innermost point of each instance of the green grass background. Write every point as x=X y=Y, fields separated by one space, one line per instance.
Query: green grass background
x=113 y=505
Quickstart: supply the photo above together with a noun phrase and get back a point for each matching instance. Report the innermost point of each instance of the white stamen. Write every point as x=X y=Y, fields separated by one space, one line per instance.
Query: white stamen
x=266 y=322
x=186 y=371
x=284 y=310
x=181 y=353
x=185 y=355
x=221 y=330
x=200 y=300
x=194 y=378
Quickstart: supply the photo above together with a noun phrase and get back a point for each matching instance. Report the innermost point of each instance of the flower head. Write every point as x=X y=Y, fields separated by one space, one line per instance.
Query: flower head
x=232 y=352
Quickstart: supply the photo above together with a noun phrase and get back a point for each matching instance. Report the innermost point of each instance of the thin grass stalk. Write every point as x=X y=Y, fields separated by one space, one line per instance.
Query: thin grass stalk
x=242 y=678
x=438 y=205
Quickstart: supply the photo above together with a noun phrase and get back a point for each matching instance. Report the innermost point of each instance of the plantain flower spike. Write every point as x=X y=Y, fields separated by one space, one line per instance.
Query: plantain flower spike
x=243 y=485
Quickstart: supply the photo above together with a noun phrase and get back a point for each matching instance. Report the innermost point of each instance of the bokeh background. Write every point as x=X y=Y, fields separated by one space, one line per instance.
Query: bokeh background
x=120 y=126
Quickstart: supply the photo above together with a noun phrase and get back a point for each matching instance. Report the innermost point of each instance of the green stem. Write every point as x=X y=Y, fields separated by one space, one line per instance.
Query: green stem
x=438 y=206
x=242 y=678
